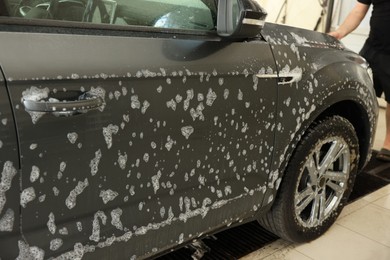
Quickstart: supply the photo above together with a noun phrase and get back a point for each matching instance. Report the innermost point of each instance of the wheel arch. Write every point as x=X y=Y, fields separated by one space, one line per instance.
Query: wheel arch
x=348 y=95
x=350 y=109
x=342 y=103
x=288 y=218
x=356 y=115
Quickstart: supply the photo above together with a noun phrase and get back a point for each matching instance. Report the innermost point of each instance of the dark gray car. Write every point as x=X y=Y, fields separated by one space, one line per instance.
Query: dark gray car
x=129 y=128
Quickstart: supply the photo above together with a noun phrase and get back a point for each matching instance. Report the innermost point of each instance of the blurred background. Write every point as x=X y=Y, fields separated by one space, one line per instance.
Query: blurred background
x=318 y=15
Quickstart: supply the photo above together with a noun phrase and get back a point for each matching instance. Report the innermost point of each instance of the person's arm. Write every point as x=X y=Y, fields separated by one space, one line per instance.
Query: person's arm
x=352 y=21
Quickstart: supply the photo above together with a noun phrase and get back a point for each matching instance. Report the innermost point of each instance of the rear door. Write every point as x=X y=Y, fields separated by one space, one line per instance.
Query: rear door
x=136 y=138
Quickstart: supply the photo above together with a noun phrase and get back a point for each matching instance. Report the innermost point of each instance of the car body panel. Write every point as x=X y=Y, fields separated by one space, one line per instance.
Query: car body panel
x=181 y=133
x=9 y=177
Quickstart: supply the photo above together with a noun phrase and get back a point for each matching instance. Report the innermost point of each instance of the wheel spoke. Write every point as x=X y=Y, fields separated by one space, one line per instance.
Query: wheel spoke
x=332 y=155
x=322 y=208
x=336 y=176
x=303 y=199
x=318 y=209
x=313 y=220
x=337 y=188
x=311 y=167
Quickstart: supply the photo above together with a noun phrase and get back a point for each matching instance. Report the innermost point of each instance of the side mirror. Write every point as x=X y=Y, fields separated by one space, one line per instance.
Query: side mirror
x=240 y=19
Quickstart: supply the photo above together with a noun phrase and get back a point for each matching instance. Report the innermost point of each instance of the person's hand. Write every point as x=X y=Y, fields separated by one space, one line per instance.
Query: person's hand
x=336 y=34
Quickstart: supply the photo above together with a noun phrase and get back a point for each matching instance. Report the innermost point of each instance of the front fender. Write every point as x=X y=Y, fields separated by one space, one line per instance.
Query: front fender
x=334 y=81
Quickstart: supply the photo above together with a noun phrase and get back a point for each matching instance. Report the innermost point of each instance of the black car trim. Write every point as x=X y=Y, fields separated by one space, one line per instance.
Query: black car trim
x=68 y=27
x=2 y=74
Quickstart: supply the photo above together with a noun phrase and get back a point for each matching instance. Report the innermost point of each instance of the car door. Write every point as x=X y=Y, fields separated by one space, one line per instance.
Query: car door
x=9 y=177
x=136 y=138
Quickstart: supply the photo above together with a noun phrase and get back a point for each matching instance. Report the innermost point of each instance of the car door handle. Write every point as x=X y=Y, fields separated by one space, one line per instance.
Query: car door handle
x=283 y=79
x=287 y=80
x=85 y=103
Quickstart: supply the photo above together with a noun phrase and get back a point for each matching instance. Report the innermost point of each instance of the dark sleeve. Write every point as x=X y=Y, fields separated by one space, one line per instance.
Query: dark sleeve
x=366 y=2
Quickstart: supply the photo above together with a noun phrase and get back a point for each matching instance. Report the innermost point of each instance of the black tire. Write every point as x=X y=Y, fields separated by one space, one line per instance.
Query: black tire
x=299 y=213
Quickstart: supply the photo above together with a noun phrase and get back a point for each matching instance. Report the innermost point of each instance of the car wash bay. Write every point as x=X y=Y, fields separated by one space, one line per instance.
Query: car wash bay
x=355 y=236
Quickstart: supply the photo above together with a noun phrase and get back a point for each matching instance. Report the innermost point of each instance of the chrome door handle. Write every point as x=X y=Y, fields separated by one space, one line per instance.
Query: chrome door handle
x=287 y=80
x=283 y=79
x=65 y=108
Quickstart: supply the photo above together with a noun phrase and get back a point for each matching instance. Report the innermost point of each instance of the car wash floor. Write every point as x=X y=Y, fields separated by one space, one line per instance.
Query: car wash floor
x=362 y=232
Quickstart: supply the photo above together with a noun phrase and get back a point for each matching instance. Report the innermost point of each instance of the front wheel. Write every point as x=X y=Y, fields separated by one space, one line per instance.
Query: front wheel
x=317 y=183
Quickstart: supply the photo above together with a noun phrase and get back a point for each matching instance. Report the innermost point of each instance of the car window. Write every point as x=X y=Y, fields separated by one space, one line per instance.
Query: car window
x=183 y=14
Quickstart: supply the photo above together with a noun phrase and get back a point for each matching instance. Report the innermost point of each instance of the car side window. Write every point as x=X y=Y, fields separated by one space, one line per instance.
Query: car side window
x=172 y=14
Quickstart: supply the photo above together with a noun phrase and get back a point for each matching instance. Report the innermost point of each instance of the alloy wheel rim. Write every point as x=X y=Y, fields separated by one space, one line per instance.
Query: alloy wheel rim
x=322 y=182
